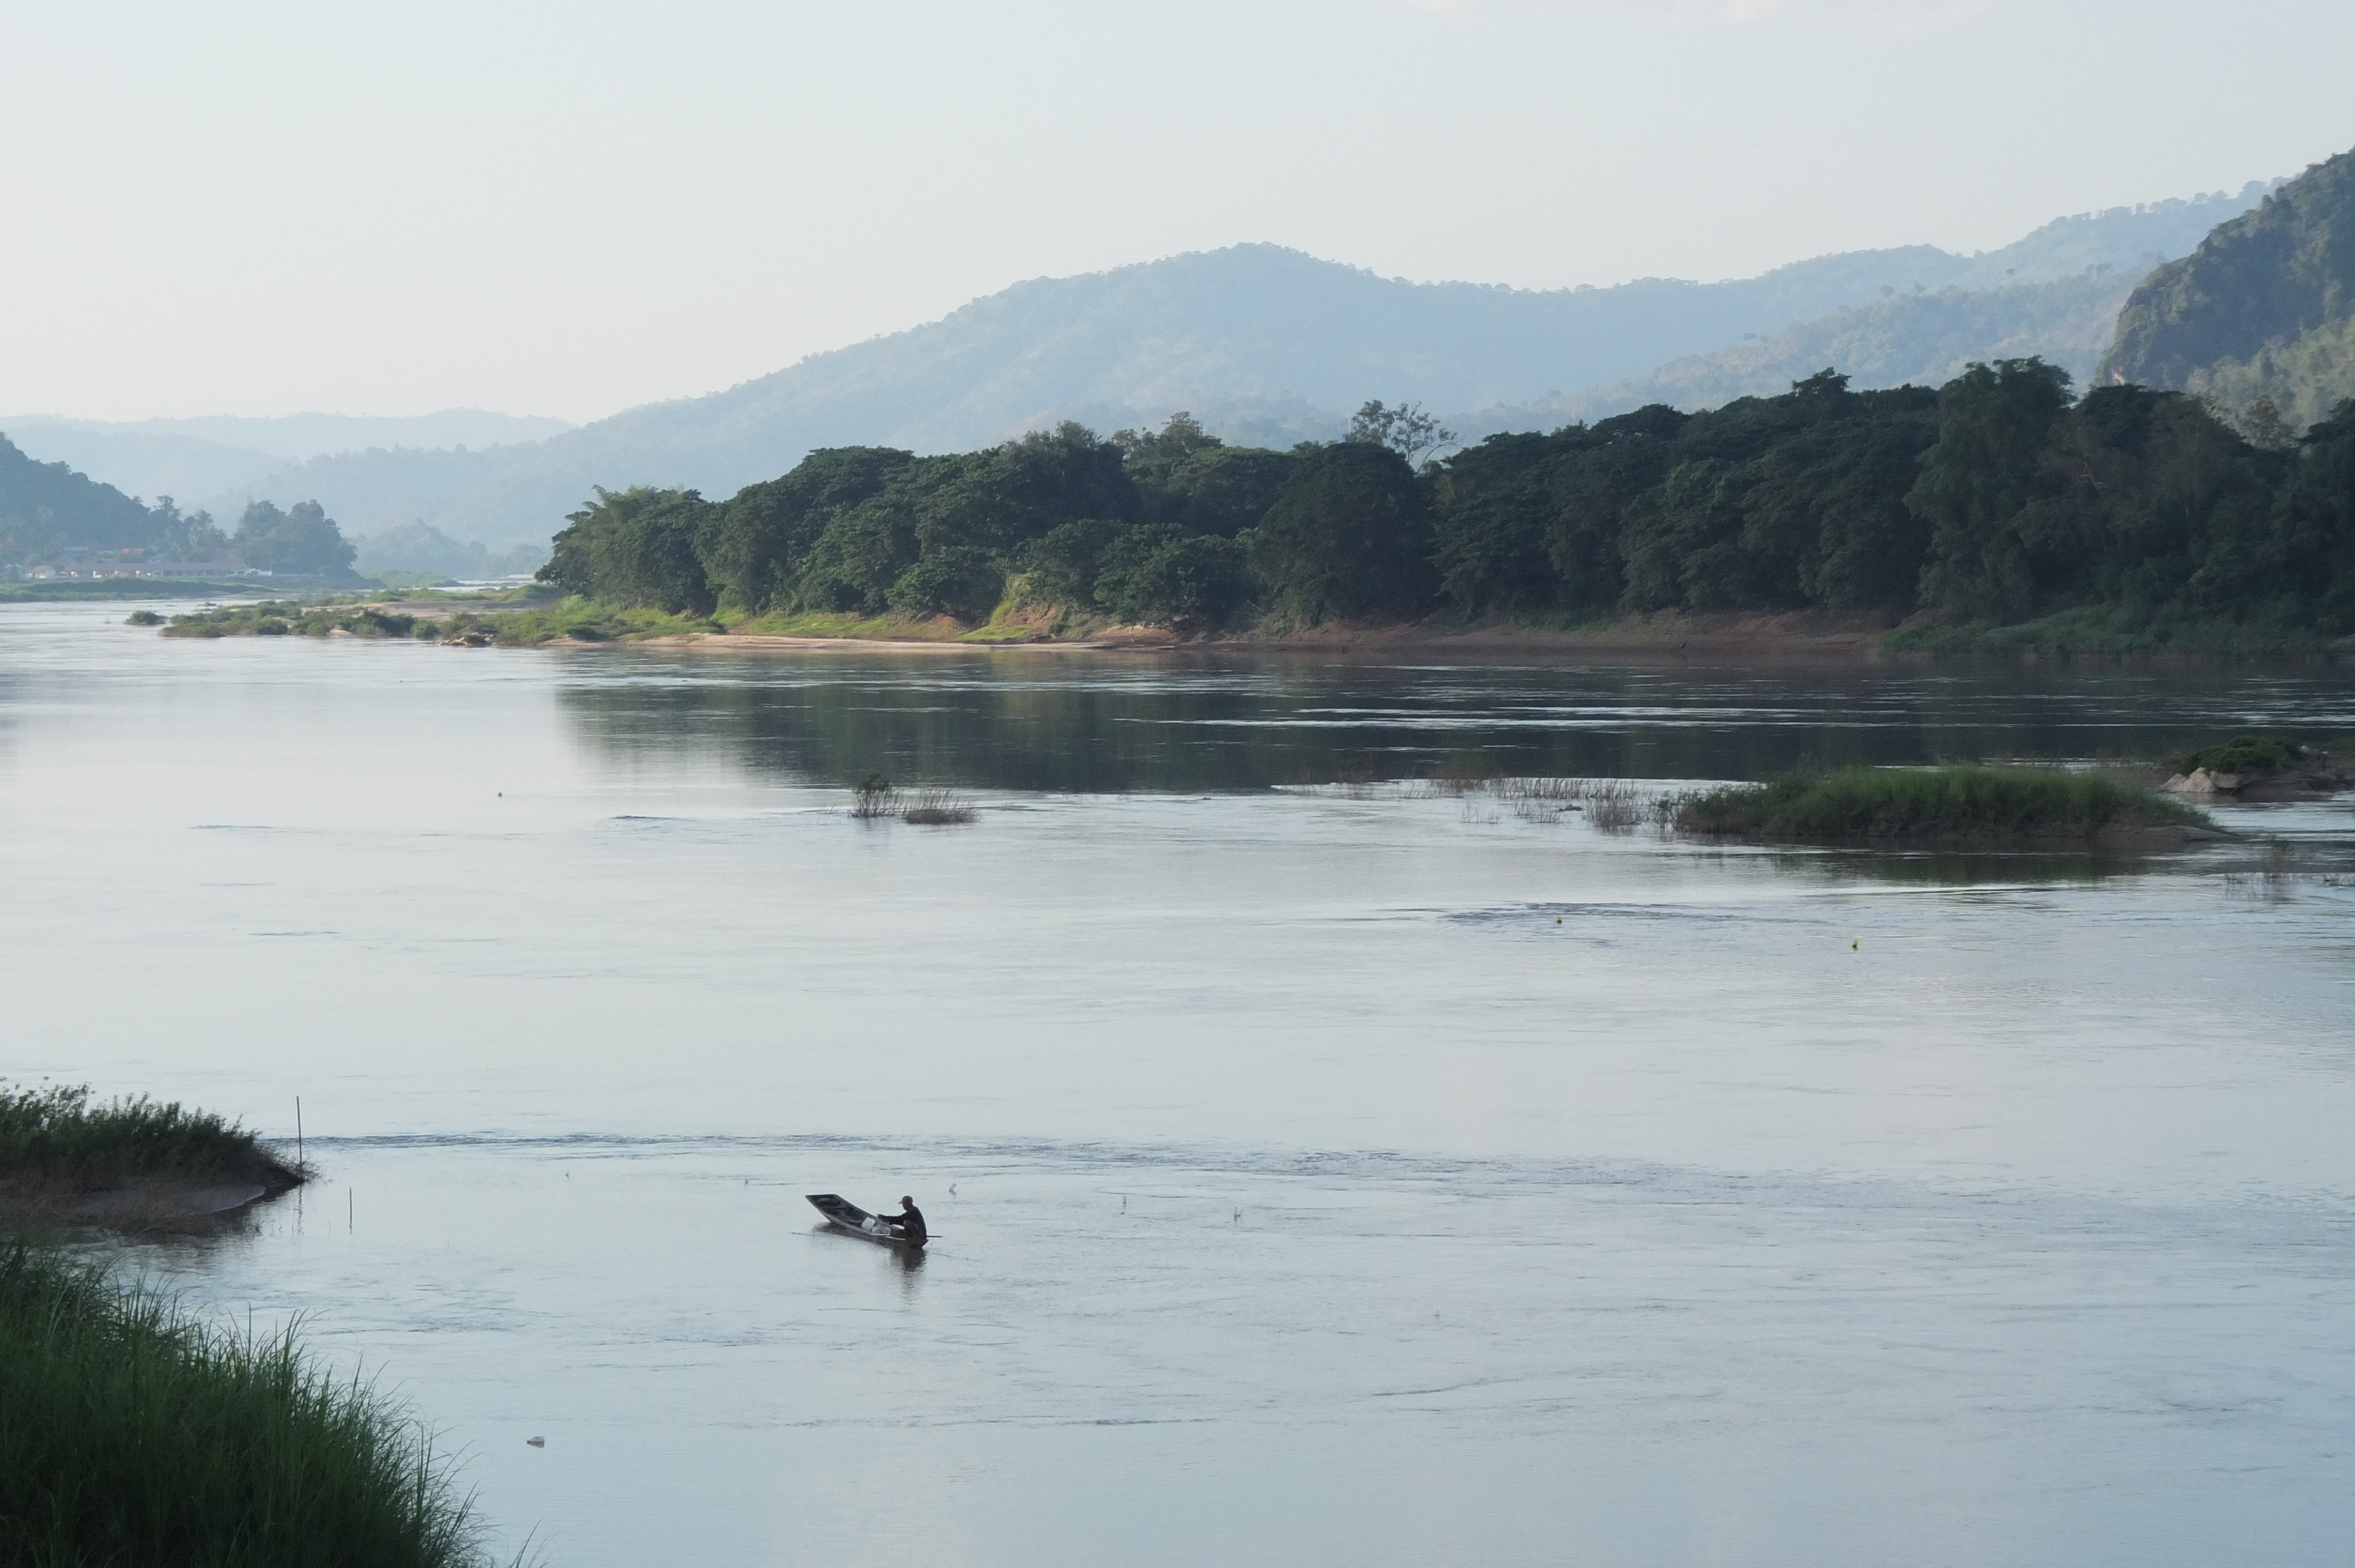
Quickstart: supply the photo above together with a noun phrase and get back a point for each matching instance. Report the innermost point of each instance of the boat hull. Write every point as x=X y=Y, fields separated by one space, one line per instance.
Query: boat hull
x=844 y=1216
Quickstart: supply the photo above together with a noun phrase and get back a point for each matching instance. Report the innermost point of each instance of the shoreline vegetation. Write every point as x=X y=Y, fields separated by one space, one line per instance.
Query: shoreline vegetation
x=517 y=619
x=133 y=1429
x=127 y=1164
x=1948 y=806
x=1965 y=807
x=1998 y=515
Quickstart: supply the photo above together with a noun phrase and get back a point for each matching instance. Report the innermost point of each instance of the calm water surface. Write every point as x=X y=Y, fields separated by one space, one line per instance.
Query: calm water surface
x=1350 y=1176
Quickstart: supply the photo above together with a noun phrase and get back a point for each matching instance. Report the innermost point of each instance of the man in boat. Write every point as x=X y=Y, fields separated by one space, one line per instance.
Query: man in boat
x=910 y=1220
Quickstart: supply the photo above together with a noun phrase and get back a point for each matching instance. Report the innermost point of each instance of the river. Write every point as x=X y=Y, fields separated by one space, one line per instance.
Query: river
x=1322 y=1173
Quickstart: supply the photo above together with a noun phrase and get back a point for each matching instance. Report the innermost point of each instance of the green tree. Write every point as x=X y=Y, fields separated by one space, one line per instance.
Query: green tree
x=192 y=537
x=1151 y=454
x=1157 y=575
x=301 y=541
x=1495 y=507
x=1682 y=540
x=1348 y=538
x=957 y=581
x=2312 y=532
x=1405 y=429
x=637 y=546
x=1058 y=566
x=1216 y=490
x=764 y=534
x=1591 y=487
x=1984 y=469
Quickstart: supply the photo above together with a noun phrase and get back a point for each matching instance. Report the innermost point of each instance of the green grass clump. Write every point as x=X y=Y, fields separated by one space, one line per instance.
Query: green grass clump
x=131 y=1433
x=58 y=1135
x=1931 y=806
x=2245 y=754
x=285 y=618
x=583 y=620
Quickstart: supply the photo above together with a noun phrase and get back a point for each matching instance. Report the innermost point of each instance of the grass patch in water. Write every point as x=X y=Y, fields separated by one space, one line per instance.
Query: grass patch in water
x=1929 y=806
x=132 y=1432
x=58 y=1134
x=292 y=617
x=938 y=809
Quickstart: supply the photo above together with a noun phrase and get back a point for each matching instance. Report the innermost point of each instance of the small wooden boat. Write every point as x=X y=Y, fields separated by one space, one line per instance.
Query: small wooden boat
x=845 y=1215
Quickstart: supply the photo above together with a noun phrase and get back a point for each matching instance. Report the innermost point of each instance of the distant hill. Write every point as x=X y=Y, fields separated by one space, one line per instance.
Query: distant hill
x=1920 y=340
x=203 y=457
x=45 y=507
x=1270 y=346
x=2054 y=295
x=2264 y=307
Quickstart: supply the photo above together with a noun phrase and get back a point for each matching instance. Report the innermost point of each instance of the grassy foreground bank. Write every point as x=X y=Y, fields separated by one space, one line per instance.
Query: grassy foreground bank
x=131 y=1433
x=1937 y=806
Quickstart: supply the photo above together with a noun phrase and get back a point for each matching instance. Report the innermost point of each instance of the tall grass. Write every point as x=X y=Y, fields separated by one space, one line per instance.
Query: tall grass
x=938 y=809
x=132 y=1434
x=1611 y=805
x=58 y=1134
x=1927 y=806
x=873 y=797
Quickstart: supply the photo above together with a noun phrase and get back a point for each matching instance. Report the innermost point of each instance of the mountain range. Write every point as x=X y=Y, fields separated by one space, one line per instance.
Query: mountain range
x=2264 y=309
x=1265 y=344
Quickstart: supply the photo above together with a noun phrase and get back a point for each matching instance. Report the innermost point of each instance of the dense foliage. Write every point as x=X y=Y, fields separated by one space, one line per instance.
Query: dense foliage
x=301 y=541
x=1997 y=498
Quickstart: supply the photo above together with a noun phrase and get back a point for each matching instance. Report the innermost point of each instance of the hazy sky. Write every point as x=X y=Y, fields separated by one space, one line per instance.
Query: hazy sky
x=568 y=208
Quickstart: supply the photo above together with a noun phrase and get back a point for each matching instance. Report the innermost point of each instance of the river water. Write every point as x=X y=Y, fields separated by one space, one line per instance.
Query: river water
x=1360 y=1175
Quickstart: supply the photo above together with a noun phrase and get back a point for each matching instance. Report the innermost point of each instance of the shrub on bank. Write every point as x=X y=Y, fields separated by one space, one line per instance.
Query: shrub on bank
x=2258 y=753
x=1927 y=806
x=129 y=1433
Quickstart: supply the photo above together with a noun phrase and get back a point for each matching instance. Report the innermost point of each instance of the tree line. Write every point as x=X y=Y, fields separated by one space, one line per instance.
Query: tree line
x=49 y=512
x=1995 y=498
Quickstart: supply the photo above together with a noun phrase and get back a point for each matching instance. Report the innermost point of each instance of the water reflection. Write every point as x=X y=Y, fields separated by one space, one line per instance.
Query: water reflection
x=1175 y=724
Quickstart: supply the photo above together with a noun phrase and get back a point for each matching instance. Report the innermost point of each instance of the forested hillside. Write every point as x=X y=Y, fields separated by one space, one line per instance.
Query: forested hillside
x=49 y=514
x=1269 y=346
x=1993 y=499
x=2264 y=309
x=1921 y=339
x=47 y=507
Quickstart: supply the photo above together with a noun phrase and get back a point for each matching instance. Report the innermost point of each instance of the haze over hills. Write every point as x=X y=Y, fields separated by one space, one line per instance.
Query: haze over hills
x=1266 y=345
x=2041 y=296
x=208 y=454
x=2265 y=308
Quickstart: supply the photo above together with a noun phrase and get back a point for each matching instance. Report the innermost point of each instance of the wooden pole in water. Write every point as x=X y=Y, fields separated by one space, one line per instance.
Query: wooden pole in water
x=298 y=1130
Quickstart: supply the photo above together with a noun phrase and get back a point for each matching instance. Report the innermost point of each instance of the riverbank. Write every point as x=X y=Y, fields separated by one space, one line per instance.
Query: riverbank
x=1671 y=634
